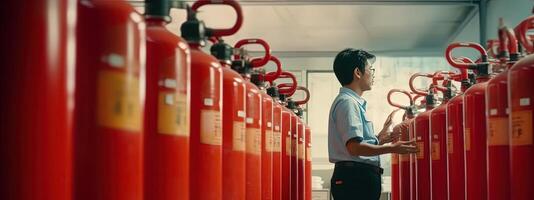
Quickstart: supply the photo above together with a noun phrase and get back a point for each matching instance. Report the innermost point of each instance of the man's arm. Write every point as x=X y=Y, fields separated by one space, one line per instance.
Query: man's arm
x=356 y=148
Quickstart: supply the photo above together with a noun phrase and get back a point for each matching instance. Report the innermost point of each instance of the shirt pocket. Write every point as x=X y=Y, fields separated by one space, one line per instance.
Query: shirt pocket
x=369 y=129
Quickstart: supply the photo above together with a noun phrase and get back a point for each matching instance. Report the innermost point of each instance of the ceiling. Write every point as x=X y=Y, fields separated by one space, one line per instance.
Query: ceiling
x=313 y=27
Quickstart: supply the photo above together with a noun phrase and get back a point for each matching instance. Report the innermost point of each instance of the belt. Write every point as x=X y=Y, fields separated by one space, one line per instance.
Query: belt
x=373 y=168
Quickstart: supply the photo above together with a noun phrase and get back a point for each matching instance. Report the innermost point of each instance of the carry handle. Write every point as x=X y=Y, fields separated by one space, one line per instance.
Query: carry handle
x=237 y=8
x=393 y=91
x=271 y=76
x=463 y=65
x=305 y=100
x=259 y=61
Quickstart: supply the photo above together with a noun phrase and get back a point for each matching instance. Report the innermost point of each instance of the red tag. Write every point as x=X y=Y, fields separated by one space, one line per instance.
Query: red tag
x=339 y=182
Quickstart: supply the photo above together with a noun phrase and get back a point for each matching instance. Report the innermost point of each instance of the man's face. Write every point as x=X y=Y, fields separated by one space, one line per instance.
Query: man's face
x=367 y=78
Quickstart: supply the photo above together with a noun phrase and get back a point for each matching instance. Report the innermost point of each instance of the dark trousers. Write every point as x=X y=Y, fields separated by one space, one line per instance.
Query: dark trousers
x=356 y=182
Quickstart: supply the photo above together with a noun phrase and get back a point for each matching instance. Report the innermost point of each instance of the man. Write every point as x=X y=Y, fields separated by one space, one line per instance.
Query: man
x=352 y=144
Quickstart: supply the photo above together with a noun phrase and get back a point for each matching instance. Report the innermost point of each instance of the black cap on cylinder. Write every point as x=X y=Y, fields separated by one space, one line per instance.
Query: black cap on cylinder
x=157 y=8
x=193 y=30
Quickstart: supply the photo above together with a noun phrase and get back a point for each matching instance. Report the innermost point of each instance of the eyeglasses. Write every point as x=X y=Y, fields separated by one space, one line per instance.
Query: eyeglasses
x=372 y=70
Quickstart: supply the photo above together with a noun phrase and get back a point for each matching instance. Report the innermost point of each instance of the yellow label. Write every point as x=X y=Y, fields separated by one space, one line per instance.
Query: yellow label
x=269 y=140
x=210 y=127
x=435 y=151
x=288 y=145
x=522 y=127
x=238 y=137
x=450 y=143
x=394 y=159
x=467 y=133
x=308 y=154
x=498 y=131
x=118 y=101
x=420 y=147
x=253 y=138
x=172 y=114
x=301 y=151
x=277 y=141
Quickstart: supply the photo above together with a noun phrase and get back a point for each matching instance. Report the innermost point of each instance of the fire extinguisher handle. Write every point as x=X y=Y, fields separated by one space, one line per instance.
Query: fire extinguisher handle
x=237 y=8
x=413 y=77
x=507 y=36
x=271 y=76
x=302 y=102
x=452 y=46
x=260 y=61
x=393 y=91
x=213 y=39
x=287 y=88
x=522 y=30
x=491 y=47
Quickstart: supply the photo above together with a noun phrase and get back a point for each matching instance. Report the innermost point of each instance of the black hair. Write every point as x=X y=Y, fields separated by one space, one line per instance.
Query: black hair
x=348 y=60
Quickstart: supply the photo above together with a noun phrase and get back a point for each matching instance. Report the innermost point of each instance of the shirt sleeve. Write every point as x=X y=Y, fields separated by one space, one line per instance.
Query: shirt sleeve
x=348 y=121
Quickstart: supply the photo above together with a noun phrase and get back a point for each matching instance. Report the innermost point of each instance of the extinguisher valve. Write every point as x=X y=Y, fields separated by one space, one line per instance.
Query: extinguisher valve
x=273 y=92
x=222 y=51
x=193 y=30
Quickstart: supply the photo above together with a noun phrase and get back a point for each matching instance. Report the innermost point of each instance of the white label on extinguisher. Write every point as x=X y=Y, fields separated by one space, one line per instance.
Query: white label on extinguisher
x=493 y=112
x=524 y=101
x=241 y=114
x=208 y=102
x=269 y=124
x=276 y=128
x=169 y=83
x=114 y=60
x=169 y=99
x=249 y=120
x=239 y=136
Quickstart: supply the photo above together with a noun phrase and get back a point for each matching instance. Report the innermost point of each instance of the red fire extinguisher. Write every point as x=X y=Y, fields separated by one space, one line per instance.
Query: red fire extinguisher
x=110 y=88
x=422 y=136
x=286 y=136
x=255 y=113
x=234 y=113
x=497 y=119
x=301 y=151
x=401 y=163
x=259 y=78
x=438 y=131
x=474 y=123
x=307 y=165
x=36 y=82
x=521 y=106
x=206 y=105
x=166 y=136
x=455 y=138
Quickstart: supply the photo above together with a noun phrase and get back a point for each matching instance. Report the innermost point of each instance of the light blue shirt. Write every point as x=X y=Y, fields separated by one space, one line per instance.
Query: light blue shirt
x=348 y=120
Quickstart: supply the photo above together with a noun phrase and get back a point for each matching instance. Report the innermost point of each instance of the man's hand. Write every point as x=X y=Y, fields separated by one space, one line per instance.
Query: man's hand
x=386 y=137
x=404 y=147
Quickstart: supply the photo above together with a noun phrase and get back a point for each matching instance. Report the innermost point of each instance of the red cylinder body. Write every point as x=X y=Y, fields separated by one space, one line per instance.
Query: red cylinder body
x=294 y=157
x=413 y=163
x=166 y=135
x=307 y=165
x=277 y=151
x=253 y=139
x=404 y=164
x=110 y=89
x=36 y=82
x=395 y=176
x=475 y=140
x=287 y=137
x=234 y=145
x=301 y=153
x=455 y=148
x=520 y=97
x=206 y=126
x=438 y=155
x=497 y=132
x=267 y=147
x=422 y=134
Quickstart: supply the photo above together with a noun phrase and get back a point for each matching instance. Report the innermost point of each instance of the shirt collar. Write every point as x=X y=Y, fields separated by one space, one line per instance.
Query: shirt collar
x=350 y=92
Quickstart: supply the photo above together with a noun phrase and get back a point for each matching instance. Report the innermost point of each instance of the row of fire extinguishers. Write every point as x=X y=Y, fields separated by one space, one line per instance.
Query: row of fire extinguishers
x=100 y=102
x=475 y=142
